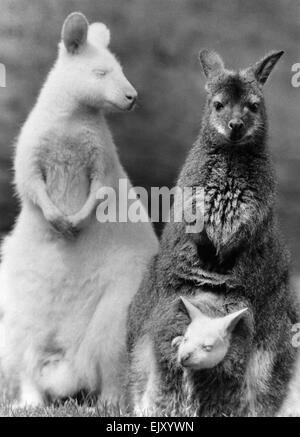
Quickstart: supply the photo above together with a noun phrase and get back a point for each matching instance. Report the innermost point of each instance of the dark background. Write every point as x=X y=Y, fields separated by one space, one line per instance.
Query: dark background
x=158 y=42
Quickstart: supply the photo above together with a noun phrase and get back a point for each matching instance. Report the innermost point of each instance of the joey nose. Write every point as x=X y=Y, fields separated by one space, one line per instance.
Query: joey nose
x=236 y=124
x=184 y=359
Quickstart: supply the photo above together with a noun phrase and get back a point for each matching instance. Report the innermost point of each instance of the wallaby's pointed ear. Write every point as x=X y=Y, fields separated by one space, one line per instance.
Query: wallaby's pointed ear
x=211 y=62
x=192 y=310
x=229 y=322
x=263 y=68
x=74 y=32
x=99 y=34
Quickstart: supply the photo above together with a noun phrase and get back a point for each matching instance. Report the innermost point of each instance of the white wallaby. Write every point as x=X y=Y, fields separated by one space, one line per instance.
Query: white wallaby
x=67 y=280
x=206 y=340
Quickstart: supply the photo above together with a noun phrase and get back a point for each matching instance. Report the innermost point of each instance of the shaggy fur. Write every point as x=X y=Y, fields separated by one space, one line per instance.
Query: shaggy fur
x=65 y=288
x=238 y=257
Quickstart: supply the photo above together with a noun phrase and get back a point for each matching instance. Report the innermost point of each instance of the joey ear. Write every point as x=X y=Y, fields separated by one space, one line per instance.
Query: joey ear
x=192 y=310
x=263 y=68
x=177 y=341
x=230 y=321
x=74 y=32
x=99 y=34
x=211 y=63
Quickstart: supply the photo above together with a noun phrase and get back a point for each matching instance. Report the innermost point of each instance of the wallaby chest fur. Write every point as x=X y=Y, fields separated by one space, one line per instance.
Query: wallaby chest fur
x=238 y=186
x=67 y=169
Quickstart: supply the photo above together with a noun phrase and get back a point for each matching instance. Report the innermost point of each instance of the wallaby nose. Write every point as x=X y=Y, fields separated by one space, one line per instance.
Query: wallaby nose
x=131 y=96
x=236 y=124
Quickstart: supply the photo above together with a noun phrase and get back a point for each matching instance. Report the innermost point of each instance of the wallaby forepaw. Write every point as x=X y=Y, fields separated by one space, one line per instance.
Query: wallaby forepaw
x=64 y=228
x=78 y=222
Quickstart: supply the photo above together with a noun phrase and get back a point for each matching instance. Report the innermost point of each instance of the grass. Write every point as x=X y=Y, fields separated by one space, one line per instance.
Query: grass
x=70 y=408
x=73 y=408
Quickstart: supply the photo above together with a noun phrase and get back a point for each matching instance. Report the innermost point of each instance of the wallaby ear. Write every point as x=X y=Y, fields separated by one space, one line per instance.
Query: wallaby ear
x=230 y=321
x=192 y=310
x=99 y=34
x=211 y=62
x=74 y=32
x=263 y=68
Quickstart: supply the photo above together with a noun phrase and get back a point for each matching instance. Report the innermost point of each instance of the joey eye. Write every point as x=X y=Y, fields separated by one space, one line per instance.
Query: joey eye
x=207 y=348
x=218 y=106
x=253 y=107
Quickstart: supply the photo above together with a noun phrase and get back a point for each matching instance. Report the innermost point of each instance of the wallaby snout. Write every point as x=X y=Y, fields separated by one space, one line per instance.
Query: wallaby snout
x=237 y=128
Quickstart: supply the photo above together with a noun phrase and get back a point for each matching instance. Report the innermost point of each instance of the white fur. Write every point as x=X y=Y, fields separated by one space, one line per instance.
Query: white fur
x=144 y=363
x=99 y=34
x=220 y=128
x=258 y=374
x=291 y=405
x=65 y=301
x=206 y=340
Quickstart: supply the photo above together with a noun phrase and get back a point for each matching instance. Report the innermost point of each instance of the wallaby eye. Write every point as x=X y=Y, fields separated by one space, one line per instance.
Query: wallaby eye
x=253 y=107
x=100 y=73
x=218 y=106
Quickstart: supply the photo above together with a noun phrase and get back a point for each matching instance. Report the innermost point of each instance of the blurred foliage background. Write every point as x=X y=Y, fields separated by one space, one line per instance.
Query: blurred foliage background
x=158 y=42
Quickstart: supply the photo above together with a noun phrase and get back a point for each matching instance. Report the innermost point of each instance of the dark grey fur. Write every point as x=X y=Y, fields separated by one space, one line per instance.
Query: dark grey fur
x=241 y=243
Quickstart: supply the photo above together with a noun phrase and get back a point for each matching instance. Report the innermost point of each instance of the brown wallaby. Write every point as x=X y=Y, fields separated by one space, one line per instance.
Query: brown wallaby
x=237 y=257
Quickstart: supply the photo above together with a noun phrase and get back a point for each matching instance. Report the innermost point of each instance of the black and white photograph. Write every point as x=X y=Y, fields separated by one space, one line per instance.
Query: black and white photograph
x=149 y=211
